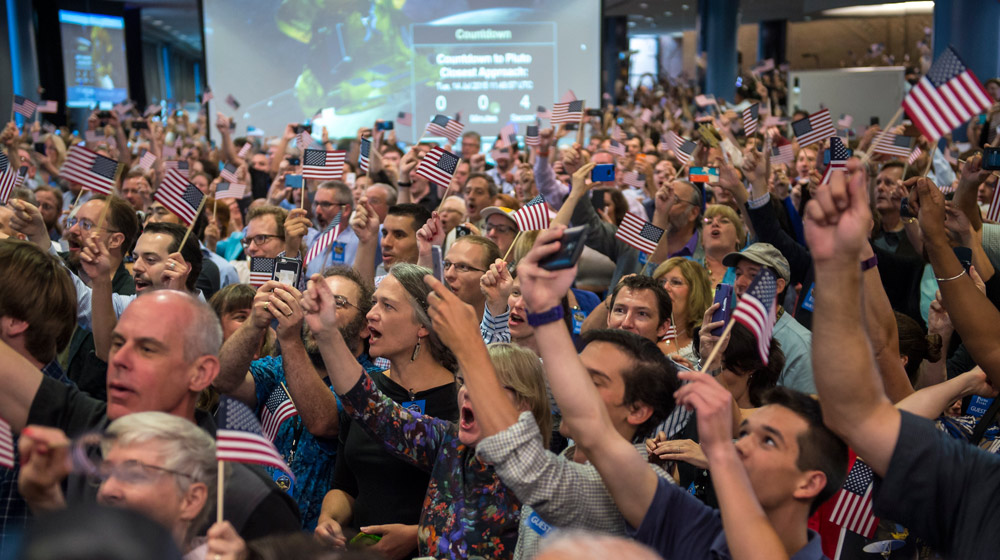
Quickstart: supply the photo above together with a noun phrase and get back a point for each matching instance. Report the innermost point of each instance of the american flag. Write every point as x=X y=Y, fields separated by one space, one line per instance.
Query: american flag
x=764 y=66
x=366 y=148
x=323 y=165
x=993 y=214
x=147 y=160
x=304 y=140
x=704 y=100
x=947 y=189
x=6 y=445
x=772 y=120
x=914 y=155
x=404 y=118
x=168 y=152
x=245 y=149
x=682 y=147
x=24 y=106
x=838 y=159
x=232 y=102
x=893 y=144
x=323 y=240
x=123 y=108
x=181 y=166
x=638 y=233
x=153 y=109
x=179 y=196
x=277 y=409
x=207 y=96
x=48 y=106
x=946 y=97
x=756 y=310
x=646 y=115
x=228 y=173
x=782 y=154
x=442 y=125
x=750 y=117
x=90 y=169
x=240 y=438
x=616 y=148
x=814 y=128
x=853 y=509
x=531 y=136
x=438 y=166
x=8 y=178
x=508 y=135
x=567 y=112
x=633 y=179
x=617 y=133
x=845 y=121
x=534 y=215
x=225 y=190
x=261 y=270
x=542 y=113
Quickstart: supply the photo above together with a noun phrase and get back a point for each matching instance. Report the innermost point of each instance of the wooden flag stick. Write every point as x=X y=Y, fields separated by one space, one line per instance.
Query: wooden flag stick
x=288 y=394
x=511 y=248
x=302 y=203
x=883 y=132
x=718 y=345
x=104 y=214
x=220 y=491
x=190 y=227
x=445 y=195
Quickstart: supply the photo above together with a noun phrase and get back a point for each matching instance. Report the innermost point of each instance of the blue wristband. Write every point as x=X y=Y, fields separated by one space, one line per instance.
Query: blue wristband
x=539 y=319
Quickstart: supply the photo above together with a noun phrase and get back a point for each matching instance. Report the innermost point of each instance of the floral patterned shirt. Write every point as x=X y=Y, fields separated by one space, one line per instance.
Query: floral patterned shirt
x=468 y=512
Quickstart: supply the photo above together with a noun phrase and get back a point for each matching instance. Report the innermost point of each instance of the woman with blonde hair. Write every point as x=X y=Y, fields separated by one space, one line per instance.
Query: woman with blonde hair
x=690 y=291
x=722 y=233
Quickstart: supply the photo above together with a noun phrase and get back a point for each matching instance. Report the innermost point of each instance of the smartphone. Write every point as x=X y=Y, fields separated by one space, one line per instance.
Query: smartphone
x=569 y=252
x=383 y=125
x=299 y=128
x=40 y=147
x=287 y=271
x=964 y=255
x=293 y=161
x=438 y=262
x=724 y=297
x=362 y=540
x=873 y=121
x=462 y=231
x=604 y=173
x=572 y=126
x=593 y=112
x=294 y=181
x=597 y=199
x=140 y=125
x=904 y=208
x=991 y=158
x=232 y=124
x=104 y=115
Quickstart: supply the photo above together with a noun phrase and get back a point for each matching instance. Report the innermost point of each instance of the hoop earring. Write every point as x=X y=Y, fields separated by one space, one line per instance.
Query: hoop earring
x=416 y=351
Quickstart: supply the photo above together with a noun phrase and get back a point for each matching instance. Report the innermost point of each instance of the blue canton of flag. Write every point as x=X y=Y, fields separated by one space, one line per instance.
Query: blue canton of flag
x=838 y=158
x=853 y=509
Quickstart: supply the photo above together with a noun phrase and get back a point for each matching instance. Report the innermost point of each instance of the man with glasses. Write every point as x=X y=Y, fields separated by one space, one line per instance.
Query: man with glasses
x=308 y=441
x=499 y=227
x=333 y=198
x=467 y=260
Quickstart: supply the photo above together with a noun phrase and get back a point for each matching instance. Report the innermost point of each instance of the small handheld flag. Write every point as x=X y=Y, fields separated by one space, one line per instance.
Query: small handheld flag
x=638 y=233
x=261 y=270
x=240 y=439
x=323 y=165
x=179 y=196
x=90 y=169
x=438 y=166
x=814 y=128
x=442 y=125
x=756 y=310
x=532 y=216
x=323 y=240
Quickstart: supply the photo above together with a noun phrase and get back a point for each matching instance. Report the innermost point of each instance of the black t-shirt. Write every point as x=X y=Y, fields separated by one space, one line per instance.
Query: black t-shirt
x=942 y=489
x=387 y=489
x=253 y=503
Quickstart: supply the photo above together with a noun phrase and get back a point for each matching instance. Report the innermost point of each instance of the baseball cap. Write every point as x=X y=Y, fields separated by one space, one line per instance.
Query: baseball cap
x=501 y=210
x=763 y=254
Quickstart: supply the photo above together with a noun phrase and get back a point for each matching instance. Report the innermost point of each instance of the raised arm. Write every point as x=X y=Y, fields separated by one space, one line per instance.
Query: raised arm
x=854 y=402
x=880 y=322
x=365 y=224
x=630 y=480
x=237 y=351
x=970 y=177
x=20 y=381
x=931 y=402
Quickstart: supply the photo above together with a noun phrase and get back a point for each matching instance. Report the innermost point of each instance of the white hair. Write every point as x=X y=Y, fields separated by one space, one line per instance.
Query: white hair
x=581 y=544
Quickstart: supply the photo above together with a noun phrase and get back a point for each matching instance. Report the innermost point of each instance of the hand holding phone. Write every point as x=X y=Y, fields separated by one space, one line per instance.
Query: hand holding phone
x=287 y=271
x=724 y=297
x=570 y=249
x=604 y=173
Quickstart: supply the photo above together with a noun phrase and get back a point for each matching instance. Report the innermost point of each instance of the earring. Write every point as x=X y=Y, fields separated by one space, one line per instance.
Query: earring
x=416 y=351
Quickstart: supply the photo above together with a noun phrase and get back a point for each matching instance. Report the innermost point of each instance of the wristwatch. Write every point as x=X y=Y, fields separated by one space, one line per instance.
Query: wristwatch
x=539 y=319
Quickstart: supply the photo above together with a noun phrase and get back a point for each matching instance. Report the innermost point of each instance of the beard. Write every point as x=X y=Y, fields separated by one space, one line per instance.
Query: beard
x=349 y=331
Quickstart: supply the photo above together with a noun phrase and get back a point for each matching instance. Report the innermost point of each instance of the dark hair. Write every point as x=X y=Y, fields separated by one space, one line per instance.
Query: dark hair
x=819 y=448
x=366 y=290
x=916 y=345
x=621 y=205
x=491 y=185
x=417 y=213
x=635 y=283
x=191 y=250
x=47 y=303
x=743 y=358
x=122 y=218
x=650 y=379
x=233 y=297
x=895 y=163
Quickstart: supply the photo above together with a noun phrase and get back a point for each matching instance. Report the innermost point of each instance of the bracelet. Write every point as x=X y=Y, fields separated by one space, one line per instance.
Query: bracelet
x=869 y=264
x=955 y=277
x=539 y=319
x=403 y=184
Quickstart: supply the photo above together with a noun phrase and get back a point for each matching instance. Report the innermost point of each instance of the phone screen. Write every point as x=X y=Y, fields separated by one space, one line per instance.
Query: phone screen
x=287 y=271
x=991 y=158
x=438 y=262
x=294 y=181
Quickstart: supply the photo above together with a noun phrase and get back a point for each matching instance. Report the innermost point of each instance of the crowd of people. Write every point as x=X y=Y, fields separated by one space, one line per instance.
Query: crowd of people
x=583 y=417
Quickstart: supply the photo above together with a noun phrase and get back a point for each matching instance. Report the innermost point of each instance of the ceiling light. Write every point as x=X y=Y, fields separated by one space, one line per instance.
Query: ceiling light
x=896 y=9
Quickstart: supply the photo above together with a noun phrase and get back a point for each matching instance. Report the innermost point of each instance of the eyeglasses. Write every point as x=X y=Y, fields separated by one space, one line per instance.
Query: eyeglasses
x=258 y=239
x=500 y=228
x=461 y=267
x=341 y=302
x=325 y=205
x=85 y=224
x=131 y=472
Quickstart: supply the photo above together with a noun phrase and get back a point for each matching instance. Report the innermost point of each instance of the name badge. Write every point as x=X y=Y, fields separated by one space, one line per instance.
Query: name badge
x=414 y=406
x=809 y=302
x=578 y=316
x=643 y=257
x=978 y=406
x=283 y=481
x=337 y=253
x=538 y=524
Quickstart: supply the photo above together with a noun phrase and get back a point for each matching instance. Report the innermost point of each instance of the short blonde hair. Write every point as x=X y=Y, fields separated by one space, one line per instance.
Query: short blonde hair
x=699 y=289
x=713 y=210
x=520 y=370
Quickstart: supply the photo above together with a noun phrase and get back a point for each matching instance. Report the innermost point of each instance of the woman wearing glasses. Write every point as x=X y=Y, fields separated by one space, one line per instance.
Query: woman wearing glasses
x=376 y=492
